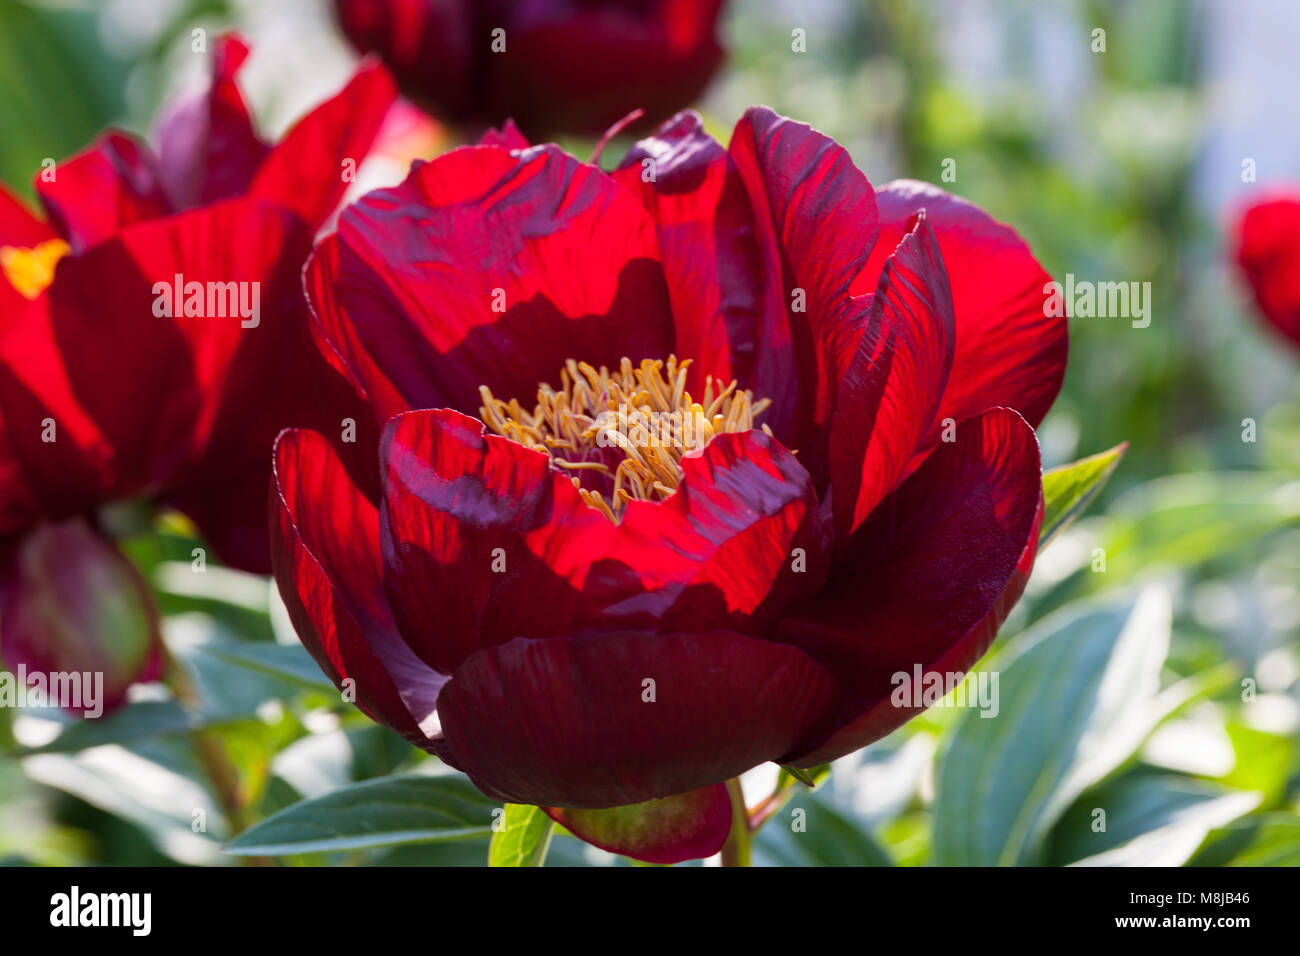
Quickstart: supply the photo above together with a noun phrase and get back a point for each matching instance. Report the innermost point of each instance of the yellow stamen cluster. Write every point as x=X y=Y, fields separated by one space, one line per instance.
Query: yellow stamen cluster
x=31 y=270
x=624 y=431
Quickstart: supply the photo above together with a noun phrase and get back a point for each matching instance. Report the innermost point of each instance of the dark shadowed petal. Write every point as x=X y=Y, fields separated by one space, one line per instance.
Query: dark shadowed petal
x=615 y=718
x=928 y=578
x=307 y=170
x=484 y=543
x=890 y=393
x=1008 y=350
x=688 y=826
x=325 y=548
x=111 y=184
x=487 y=267
x=207 y=147
x=429 y=45
x=815 y=217
x=1268 y=251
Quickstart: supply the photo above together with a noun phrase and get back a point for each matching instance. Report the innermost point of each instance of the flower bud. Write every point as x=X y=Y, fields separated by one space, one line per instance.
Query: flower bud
x=77 y=622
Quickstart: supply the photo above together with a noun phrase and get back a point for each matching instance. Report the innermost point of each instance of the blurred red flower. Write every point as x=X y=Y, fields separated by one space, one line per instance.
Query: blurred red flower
x=116 y=382
x=578 y=619
x=555 y=66
x=1267 y=244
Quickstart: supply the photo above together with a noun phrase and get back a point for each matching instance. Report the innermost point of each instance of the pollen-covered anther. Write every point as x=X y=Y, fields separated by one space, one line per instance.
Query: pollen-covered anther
x=622 y=434
x=30 y=270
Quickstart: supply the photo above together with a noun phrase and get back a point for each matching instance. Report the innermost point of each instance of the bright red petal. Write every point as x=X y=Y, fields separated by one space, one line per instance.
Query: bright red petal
x=1008 y=350
x=483 y=542
x=707 y=243
x=815 y=216
x=325 y=537
x=307 y=170
x=113 y=183
x=616 y=718
x=929 y=578
x=488 y=267
x=890 y=393
x=1268 y=251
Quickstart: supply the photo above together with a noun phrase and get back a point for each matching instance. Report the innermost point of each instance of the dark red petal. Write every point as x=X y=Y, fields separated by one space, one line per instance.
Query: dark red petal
x=483 y=542
x=582 y=67
x=507 y=137
x=1268 y=251
x=429 y=45
x=207 y=147
x=929 y=578
x=710 y=255
x=305 y=171
x=19 y=506
x=815 y=216
x=113 y=183
x=890 y=393
x=1009 y=351
x=569 y=723
x=688 y=826
x=405 y=290
x=325 y=551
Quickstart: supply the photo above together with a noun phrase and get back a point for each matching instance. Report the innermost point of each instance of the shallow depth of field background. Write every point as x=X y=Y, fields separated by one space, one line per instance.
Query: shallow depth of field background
x=1116 y=166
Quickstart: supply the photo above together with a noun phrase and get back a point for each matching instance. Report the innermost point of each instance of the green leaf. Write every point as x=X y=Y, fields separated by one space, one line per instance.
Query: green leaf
x=1077 y=697
x=1184 y=520
x=1150 y=820
x=143 y=719
x=381 y=812
x=1069 y=489
x=1270 y=839
x=524 y=839
x=810 y=831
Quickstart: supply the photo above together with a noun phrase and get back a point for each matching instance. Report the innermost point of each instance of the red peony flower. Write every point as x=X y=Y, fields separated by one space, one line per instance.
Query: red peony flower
x=153 y=337
x=566 y=594
x=555 y=66
x=1268 y=251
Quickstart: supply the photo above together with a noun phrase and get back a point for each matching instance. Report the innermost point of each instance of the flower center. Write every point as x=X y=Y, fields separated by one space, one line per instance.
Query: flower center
x=622 y=434
x=31 y=270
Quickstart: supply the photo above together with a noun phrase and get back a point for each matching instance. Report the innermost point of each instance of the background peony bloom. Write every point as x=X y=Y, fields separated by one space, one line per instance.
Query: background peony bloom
x=115 y=386
x=569 y=66
x=580 y=622
x=72 y=604
x=1268 y=251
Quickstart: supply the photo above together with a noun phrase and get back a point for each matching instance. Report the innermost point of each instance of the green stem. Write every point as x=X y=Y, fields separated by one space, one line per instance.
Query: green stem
x=208 y=748
x=736 y=851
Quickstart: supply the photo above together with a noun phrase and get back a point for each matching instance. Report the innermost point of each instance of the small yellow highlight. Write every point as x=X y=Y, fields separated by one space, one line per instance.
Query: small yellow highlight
x=31 y=270
x=630 y=427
